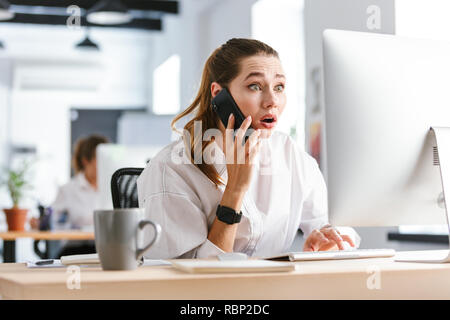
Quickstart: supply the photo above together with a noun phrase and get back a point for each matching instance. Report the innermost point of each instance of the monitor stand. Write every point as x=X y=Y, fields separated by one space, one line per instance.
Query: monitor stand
x=442 y=137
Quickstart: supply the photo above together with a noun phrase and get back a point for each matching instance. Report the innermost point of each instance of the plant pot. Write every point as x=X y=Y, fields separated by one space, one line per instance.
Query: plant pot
x=16 y=218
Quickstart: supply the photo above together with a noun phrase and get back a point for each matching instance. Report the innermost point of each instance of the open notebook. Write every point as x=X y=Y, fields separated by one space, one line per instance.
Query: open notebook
x=230 y=266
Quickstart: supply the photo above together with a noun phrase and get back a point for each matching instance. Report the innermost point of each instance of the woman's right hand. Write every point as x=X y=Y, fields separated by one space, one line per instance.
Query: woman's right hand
x=239 y=158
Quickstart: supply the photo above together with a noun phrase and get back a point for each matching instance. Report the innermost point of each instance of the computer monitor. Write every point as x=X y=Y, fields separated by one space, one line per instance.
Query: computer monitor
x=111 y=157
x=382 y=95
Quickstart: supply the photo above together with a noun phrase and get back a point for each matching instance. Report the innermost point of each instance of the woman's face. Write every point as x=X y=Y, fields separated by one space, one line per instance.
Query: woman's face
x=259 y=91
x=90 y=170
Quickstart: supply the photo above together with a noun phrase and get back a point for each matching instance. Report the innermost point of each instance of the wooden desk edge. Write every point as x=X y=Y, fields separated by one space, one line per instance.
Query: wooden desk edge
x=48 y=235
x=346 y=282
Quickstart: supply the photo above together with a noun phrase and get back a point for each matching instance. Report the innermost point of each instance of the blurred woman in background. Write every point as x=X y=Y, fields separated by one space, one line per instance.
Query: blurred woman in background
x=76 y=200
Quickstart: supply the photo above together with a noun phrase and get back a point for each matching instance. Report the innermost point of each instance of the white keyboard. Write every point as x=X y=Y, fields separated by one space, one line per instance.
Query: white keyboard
x=335 y=255
x=426 y=256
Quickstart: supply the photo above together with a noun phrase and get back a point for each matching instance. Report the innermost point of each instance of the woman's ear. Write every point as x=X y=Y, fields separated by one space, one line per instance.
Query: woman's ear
x=215 y=89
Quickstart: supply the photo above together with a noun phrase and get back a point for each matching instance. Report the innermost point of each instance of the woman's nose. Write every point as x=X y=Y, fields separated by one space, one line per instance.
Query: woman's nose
x=270 y=99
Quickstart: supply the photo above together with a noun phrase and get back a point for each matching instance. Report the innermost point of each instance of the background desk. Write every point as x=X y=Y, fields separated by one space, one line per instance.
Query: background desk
x=9 y=239
x=344 y=279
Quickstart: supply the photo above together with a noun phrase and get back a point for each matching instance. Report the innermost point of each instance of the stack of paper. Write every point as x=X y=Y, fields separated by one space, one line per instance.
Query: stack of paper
x=214 y=266
x=78 y=259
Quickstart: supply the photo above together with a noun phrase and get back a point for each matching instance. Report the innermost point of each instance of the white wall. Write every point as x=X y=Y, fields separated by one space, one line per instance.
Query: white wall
x=5 y=83
x=180 y=37
x=280 y=24
x=201 y=26
x=223 y=21
x=344 y=15
x=137 y=128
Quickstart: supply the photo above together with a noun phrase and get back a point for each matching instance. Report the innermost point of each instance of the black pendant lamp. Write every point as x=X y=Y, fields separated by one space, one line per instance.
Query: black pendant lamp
x=5 y=13
x=87 y=43
x=2 y=46
x=109 y=12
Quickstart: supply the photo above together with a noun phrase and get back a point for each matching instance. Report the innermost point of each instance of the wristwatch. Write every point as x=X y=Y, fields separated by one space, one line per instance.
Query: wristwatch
x=228 y=215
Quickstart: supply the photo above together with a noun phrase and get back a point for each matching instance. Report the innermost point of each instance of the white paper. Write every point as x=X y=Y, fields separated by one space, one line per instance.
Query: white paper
x=56 y=264
x=152 y=262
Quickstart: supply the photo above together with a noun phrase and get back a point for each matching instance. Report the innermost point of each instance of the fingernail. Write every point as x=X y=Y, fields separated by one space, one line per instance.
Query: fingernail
x=249 y=117
x=231 y=115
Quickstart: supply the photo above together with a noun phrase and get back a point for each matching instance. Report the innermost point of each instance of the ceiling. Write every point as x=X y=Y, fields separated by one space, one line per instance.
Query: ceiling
x=147 y=14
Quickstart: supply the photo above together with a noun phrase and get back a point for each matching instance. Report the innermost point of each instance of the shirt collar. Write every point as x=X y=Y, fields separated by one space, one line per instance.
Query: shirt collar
x=80 y=178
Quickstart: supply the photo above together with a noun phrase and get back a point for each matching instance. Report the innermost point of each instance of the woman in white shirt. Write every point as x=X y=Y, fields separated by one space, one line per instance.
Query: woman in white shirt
x=76 y=200
x=210 y=196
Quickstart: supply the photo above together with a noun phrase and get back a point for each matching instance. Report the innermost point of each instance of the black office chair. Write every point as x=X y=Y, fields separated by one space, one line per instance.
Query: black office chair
x=124 y=188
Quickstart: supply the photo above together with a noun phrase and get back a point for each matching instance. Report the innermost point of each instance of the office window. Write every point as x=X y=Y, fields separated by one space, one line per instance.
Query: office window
x=280 y=25
x=166 y=87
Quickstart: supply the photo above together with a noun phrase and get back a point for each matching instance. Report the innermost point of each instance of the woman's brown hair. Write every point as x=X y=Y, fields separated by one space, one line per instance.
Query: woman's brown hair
x=85 y=149
x=222 y=67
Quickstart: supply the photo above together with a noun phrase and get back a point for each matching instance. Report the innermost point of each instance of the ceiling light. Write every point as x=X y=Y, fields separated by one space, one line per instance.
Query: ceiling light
x=109 y=12
x=5 y=13
x=87 y=44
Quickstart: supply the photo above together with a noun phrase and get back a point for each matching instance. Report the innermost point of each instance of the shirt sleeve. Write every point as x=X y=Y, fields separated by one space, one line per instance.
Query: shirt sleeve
x=172 y=203
x=315 y=207
x=184 y=228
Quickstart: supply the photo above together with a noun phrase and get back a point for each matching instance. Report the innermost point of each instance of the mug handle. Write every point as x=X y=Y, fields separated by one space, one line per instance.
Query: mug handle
x=157 y=228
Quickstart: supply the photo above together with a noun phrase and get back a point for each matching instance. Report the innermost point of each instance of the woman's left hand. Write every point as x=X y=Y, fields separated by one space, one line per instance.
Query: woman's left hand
x=327 y=238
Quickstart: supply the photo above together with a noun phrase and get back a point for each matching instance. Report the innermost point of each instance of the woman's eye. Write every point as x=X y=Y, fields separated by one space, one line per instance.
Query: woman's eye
x=254 y=87
x=279 y=87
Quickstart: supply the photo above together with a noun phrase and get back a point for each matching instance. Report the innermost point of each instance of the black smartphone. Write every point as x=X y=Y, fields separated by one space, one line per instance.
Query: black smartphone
x=223 y=104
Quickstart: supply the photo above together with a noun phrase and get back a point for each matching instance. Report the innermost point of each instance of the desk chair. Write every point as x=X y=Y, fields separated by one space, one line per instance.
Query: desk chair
x=124 y=195
x=124 y=188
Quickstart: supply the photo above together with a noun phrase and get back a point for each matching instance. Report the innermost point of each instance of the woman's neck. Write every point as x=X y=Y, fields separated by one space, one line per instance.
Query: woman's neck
x=92 y=181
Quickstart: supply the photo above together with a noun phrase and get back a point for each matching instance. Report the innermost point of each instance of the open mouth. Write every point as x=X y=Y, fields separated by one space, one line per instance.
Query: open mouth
x=268 y=121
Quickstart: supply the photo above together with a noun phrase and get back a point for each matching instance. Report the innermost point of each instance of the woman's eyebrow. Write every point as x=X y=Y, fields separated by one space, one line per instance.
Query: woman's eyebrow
x=260 y=74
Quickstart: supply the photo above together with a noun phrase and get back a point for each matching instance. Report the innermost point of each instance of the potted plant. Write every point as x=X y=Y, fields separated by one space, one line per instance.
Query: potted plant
x=16 y=184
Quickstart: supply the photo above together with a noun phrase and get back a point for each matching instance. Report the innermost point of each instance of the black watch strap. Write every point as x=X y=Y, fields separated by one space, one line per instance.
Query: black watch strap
x=228 y=215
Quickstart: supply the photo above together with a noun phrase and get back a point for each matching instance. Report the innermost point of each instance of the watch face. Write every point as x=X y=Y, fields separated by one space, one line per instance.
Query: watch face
x=228 y=215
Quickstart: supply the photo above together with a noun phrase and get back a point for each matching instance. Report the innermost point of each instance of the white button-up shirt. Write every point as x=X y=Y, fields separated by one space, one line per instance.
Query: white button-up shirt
x=287 y=192
x=79 y=199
